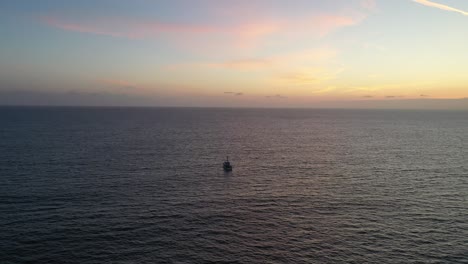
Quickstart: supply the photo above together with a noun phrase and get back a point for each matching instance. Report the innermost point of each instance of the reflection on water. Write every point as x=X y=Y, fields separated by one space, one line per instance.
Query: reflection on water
x=91 y=185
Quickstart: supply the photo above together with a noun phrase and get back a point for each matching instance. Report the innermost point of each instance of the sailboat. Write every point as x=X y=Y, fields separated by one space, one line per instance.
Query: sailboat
x=227 y=165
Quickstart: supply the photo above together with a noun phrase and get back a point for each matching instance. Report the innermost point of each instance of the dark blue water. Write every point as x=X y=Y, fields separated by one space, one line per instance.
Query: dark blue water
x=104 y=185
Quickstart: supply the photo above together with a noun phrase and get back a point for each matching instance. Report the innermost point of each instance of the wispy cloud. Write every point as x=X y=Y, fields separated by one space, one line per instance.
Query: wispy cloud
x=369 y=4
x=125 y=28
x=117 y=83
x=243 y=64
x=321 y=24
x=324 y=90
x=276 y=96
x=245 y=33
x=278 y=63
x=308 y=76
x=329 y=23
x=77 y=27
x=305 y=70
x=247 y=64
x=379 y=88
x=300 y=78
x=441 y=6
x=234 y=93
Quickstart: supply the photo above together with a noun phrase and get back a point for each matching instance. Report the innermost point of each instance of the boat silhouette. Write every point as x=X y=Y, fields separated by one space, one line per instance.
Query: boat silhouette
x=227 y=165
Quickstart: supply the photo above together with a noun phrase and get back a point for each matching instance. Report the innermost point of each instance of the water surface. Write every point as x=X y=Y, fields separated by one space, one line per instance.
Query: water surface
x=145 y=185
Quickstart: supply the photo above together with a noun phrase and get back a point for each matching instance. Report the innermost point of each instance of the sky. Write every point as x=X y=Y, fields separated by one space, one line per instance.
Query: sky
x=255 y=53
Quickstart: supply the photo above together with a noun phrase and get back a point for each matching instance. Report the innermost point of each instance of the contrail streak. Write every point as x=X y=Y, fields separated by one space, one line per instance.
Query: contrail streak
x=441 y=6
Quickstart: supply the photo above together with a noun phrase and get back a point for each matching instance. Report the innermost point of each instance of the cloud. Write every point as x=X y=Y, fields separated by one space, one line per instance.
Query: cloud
x=325 y=24
x=73 y=98
x=324 y=90
x=234 y=93
x=242 y=64
x=251 y=33
x=308 y=76
x=79 y=98
x=126 y=28
x=389 y=87
x=300 y=78
x=297 y=70
x=82 y=28
x=117 y=83
x=276 y=96
x=368 y=96
x=246 y=33
x=369 y=4
x=284 y=61
x=424 y=95
x=441 y=6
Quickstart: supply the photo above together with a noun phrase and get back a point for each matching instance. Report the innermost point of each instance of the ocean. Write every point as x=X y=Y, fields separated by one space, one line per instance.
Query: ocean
x=146 y=185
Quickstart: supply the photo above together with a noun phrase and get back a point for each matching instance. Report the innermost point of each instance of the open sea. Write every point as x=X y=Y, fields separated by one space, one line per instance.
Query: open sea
x=146 y=185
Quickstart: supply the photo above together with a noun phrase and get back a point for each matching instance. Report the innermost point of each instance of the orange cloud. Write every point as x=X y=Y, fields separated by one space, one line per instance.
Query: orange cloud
x=289 y=60
x=300 y=78
x=307 y=76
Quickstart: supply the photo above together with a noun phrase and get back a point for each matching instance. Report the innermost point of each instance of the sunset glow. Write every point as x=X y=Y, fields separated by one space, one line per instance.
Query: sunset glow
x=235 y=53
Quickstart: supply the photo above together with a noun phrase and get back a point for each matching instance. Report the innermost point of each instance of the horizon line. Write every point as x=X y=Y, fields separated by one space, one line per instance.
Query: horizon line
x=237 y=107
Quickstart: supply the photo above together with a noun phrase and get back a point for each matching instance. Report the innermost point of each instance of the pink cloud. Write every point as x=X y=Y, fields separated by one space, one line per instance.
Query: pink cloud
x=253 y=33
x=369 y=4
x=248 y=64
x=325 y=24
x=250 y=34
x=246 y=33
x=245 y=64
